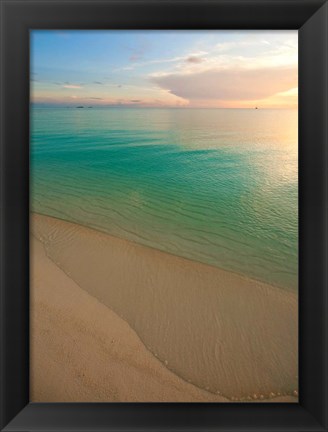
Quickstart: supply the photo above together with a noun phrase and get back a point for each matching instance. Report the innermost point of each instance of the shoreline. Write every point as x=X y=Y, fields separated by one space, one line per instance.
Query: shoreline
x=209 y=325
x=239 y=275
x=81 y=351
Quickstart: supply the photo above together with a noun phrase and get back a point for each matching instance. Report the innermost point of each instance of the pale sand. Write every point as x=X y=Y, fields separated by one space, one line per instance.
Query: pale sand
x=81 y=351
x=216 y=328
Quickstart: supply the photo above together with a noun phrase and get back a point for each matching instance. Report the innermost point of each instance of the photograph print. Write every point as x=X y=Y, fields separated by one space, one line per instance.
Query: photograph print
x=163 y=216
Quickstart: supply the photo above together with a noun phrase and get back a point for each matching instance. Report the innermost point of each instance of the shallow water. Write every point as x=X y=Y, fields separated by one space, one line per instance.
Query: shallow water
x=224 y=333
x=212 y=185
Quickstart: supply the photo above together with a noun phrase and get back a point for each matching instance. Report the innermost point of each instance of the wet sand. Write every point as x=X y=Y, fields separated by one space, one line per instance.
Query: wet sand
x=115 y=321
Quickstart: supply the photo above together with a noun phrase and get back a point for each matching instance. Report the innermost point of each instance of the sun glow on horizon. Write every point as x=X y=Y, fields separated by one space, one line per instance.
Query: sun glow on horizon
x=208 y=69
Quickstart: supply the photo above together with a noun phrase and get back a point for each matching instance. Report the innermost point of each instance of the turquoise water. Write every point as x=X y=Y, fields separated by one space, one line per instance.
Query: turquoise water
x=212 y=185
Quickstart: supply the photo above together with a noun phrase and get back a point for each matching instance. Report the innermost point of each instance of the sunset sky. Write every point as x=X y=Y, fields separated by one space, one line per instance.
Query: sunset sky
x=232 y=69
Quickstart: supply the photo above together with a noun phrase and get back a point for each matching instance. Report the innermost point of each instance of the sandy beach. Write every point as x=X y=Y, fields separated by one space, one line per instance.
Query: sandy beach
x=115 y=321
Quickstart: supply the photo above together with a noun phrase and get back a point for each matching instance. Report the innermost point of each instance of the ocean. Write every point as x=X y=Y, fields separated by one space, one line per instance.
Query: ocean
x=219 y=186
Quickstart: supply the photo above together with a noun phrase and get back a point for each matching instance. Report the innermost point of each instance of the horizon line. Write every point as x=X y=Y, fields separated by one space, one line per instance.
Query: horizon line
x=47 y=105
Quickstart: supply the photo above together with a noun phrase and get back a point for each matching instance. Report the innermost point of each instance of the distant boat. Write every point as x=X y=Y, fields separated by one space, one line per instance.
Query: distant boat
x=80 y=106
x=90 y=107
x=256 y=107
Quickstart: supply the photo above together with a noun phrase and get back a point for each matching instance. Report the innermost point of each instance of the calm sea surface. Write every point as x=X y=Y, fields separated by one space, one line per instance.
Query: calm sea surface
x=213 y=185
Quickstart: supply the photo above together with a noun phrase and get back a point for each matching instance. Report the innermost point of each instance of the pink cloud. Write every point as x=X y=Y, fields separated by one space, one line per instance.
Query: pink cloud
x=236 y=84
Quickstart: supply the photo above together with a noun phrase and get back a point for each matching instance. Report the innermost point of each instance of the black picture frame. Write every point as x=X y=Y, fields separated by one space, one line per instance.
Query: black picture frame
x=310 y=17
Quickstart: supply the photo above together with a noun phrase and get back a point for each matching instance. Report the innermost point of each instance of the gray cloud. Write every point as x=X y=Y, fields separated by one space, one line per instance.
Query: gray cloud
x=236 y=84
x=194 y=59
x=135 y=57
x=137 y=53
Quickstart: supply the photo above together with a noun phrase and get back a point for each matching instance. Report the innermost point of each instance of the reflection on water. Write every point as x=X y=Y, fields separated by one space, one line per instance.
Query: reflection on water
x=213 y=185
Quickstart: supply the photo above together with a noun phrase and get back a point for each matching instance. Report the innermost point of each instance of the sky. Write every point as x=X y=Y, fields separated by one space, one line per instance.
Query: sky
x=207 y=69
